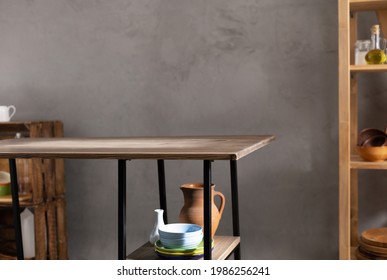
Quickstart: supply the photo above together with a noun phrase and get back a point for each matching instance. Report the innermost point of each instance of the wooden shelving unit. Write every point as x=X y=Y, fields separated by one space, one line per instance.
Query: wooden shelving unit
x=224 y=246
x=349 y=161
x=25 y=200
x=358 y=163
x=367 y=5
x=46 y=197
x=368 y=68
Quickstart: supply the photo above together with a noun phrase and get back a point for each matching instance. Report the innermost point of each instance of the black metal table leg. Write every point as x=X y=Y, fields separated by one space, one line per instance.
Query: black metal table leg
x=162 y=192
x=207 y=210
x=16 y=209
x=121 y=209
x=235 y=206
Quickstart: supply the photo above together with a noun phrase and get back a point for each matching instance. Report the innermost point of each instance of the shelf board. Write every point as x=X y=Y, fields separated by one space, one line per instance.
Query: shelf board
x=358 y=163
x=24 y=200
x=224 y=246
x=7 y=257
x=367 y=5
x=369 y=68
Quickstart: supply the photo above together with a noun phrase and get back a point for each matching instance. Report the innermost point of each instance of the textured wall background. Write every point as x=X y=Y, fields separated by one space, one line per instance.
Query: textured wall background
x=178 y=67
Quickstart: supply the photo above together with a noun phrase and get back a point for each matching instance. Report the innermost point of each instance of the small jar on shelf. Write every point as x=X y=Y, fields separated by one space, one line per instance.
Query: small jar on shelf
x=376 y=54
x=361 y=49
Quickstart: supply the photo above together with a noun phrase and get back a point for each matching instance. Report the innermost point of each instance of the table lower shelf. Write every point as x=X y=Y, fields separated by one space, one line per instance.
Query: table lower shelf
x=224 y=246
x=5 y=257
x=25 y=200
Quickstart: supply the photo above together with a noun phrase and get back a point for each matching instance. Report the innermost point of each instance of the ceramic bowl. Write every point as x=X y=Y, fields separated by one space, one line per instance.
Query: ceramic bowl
x=180 y=230
x=375 y=141
x=181 y=235
x=367 y=133
x=186 y=240
x=183 y=243
x=373 y=153
x=5 y=178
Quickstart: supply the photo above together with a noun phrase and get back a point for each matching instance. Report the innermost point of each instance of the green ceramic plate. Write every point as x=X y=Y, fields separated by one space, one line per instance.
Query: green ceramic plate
x=5 y=190
x=180 y=251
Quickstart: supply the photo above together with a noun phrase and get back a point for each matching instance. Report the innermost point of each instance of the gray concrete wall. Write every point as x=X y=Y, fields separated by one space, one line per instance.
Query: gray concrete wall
x=179 y=67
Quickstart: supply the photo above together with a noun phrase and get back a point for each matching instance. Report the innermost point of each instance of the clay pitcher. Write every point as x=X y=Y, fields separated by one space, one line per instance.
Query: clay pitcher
x=192 y=211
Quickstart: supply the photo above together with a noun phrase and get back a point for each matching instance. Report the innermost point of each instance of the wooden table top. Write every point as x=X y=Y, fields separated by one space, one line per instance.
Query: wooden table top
x=179 y=147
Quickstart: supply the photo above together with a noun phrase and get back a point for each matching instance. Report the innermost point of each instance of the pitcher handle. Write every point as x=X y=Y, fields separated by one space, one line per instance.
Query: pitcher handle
x=222 y=201
x=13 y=110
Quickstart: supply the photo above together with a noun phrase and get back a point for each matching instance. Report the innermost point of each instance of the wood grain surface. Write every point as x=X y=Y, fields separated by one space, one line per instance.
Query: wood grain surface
x=367 y=5
x=373 y=249
x=192 y=147
x=375 y=237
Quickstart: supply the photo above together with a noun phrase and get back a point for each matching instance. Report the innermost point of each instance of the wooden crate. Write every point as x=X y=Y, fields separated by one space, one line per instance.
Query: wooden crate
x=46 y=198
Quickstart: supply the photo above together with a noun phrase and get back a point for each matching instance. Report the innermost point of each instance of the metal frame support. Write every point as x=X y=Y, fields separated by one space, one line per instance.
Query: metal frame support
x=235 y=205
x=162 y=191
x=121 y=209
x=16 y=209
x=207 y=210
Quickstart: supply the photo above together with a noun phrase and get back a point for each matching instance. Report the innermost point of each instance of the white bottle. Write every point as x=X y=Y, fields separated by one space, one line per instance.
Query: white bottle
x=28 y=233
x=159 y=222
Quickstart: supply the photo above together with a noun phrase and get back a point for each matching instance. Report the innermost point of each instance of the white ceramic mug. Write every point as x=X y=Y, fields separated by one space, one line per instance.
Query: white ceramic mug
x=6 y=113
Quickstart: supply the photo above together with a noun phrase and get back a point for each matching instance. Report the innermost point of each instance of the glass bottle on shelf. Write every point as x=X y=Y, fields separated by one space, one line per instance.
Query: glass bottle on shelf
x=361 y=49
x=377 y=54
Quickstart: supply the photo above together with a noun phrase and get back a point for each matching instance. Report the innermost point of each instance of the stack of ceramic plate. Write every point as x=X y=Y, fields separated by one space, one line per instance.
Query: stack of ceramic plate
x=5 y=183
x=179 y=253
x=373 y=244
x=180 y=241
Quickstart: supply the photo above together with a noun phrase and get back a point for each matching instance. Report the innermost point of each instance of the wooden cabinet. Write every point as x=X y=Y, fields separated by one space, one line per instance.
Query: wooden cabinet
x=349 y=161
x=45 y=198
